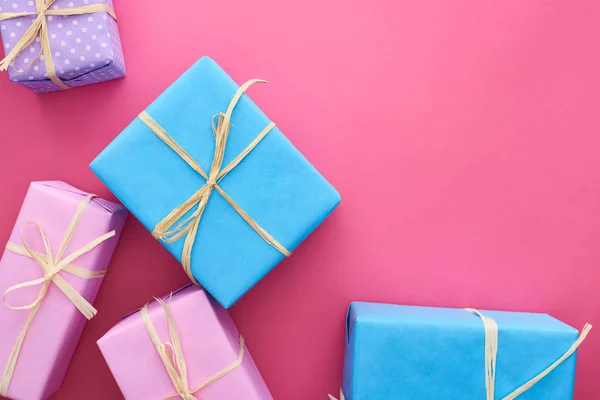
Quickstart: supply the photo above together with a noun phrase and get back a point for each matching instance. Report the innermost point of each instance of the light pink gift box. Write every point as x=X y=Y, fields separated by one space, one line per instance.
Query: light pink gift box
x=55 y=331
x=210 y=342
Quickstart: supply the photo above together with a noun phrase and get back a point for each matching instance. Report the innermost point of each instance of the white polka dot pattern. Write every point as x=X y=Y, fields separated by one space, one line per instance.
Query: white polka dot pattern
x=86 y=49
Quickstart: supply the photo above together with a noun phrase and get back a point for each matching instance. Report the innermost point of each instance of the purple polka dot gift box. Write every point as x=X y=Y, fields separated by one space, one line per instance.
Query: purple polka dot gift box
x=53 y=45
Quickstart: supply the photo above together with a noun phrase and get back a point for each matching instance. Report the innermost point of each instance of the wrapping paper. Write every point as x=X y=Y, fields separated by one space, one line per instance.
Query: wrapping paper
x=210 y=342
x=419 y=353
x=86 y=48
x=274 y=184
x=53 y=336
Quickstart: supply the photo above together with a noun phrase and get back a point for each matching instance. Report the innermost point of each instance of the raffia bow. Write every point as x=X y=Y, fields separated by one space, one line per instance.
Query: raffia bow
x=166 y=229
x=491 y=349
x=171 y=354
x=51 y=265
x=39 y=27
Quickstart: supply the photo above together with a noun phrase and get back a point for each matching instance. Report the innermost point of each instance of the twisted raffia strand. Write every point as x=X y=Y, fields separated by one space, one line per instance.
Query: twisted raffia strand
x=39 y=27
x=491 y=350
x=171 y=354
x=188 y=226
x=51 y=267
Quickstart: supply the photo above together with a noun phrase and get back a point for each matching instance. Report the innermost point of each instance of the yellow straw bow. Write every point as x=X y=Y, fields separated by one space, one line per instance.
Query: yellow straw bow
x=51 y=265
x=188 y=226
x=39 y=27
x=171 y=354
x=491 y=349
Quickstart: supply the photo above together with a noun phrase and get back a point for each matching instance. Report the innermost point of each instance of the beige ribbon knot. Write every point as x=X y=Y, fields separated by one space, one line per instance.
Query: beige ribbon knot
x=491 y=349
x=39 y=28
x=176 y=225
x=171 y=354
x=51 y=265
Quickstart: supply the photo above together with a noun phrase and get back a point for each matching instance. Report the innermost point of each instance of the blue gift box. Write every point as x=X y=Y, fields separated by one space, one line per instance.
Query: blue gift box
x=274 y=184
x=423 y=353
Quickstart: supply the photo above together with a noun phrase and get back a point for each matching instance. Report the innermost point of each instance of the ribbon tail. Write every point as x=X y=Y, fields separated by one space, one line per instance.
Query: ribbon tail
x=238 y=95
x=165 y=231
x=77 y=299
x=178 y=356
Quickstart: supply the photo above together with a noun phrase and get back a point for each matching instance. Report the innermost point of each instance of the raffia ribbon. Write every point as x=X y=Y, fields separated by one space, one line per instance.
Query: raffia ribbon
x=188 y=226
x=171 y=354
x=51 y=267
x=491 y=349
x=40 y=28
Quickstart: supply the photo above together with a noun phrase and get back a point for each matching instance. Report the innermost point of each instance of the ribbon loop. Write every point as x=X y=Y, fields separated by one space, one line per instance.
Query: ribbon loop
x=38 y=298
x=47 y=267
x=178 y=223
x=52 y=267
x=174 y=360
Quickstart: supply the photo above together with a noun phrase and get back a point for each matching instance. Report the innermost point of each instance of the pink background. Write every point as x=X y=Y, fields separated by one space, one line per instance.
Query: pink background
x=462 y=135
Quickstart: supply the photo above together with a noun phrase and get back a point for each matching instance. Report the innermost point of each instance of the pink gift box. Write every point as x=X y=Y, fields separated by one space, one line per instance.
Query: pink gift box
x=53 y=335
x=209 y=340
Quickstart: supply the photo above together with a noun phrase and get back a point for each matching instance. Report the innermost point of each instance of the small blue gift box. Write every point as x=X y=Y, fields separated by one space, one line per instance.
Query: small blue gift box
x=274 y=184
x=422 y=353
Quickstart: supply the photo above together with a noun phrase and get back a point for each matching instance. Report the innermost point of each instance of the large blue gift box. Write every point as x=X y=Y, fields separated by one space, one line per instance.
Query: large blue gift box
x=274 y=184
x=422 y=353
